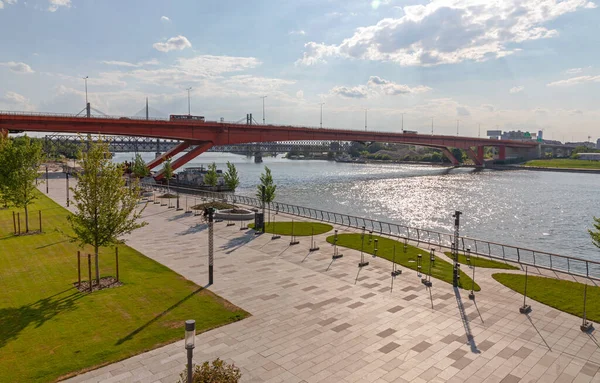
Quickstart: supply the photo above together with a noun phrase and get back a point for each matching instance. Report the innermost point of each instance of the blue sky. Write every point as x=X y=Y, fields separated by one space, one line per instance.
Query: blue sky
x=514 y=64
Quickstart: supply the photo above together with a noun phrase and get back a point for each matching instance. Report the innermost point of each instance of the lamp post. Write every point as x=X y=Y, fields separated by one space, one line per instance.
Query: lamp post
x=366 y=119
x=321 y=123
x=189 y=101
x=86 y=95
x=190 y=337
x=402 y=122
x=263 y=98
x=457 y=121
x=432 y=126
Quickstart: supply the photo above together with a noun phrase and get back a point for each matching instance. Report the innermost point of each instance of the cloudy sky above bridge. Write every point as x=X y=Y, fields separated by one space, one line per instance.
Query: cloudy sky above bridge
x=515 y=64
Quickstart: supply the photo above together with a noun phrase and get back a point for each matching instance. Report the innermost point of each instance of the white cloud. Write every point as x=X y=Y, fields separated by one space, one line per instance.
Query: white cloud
x=300 y=32
x=9 y=2
x=300 y=94
x=516 y=89
x=55 y=4
x=132 y=65
x=174 y=43
x=165 y=19
x=13 y=101
x=17 y=67
x=449 y=31
x=575 y=81
x=377 y=86
x=577 y=70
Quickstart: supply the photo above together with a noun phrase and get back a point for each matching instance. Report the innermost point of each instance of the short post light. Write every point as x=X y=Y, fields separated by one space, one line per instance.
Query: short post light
x=469 y=255
x=375 y=248
x=336 y=255
x=190 y=337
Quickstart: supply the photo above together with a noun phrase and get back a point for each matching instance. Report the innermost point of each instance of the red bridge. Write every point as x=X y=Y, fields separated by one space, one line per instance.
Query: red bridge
x=203 y=135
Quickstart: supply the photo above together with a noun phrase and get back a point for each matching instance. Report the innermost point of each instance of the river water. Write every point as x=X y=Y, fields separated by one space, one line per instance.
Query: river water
x=540 y=210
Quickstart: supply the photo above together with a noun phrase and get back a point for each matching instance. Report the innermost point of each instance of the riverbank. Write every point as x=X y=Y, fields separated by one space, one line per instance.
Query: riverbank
x=545 y=169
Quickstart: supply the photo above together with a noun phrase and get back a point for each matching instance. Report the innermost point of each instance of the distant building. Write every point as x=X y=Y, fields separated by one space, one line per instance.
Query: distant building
x=517 y=135
x=589 y=156
x=598 y=144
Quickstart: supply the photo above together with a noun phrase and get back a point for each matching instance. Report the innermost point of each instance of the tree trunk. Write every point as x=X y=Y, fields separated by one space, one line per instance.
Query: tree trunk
x=26 y=219
x=97 y=268
x=168 y=187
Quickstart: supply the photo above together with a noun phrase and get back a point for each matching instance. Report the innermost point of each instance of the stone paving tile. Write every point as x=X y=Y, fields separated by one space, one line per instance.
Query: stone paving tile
x=302 y=329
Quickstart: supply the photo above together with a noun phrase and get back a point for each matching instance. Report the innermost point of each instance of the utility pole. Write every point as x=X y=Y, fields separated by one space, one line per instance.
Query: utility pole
x=147 y=112
x=366 y=119
x=479 y=132
x=321 y=123
x=432 y=126
x=189 y=101
x=457 y=127
x=263 y=98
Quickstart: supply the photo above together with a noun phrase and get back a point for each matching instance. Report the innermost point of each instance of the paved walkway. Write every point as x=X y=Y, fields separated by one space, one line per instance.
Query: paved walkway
x=314 y=320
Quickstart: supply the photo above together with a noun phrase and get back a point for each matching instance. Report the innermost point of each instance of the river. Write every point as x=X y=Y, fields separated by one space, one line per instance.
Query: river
x=540 y=210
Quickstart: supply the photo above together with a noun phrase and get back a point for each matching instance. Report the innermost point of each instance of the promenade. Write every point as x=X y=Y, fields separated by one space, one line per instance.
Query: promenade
x=314 y=320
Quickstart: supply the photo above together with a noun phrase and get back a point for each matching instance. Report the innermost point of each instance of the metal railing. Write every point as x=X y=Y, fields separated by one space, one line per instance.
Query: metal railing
x=478 y=247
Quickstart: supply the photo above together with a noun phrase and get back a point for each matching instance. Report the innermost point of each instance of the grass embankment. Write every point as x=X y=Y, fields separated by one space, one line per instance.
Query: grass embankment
x=565 y=163
x=49 y=329
x=482 y=262
x=563 y=295
x=441 y=269
x=301 y=228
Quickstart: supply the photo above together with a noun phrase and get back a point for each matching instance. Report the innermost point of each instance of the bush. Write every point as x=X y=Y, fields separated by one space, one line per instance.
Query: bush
x=218 y=372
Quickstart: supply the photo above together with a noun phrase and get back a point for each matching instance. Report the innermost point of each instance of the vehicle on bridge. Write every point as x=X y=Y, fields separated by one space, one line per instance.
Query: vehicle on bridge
x=176 y=117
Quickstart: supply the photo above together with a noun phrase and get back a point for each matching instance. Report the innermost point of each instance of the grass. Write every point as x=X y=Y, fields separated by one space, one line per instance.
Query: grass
x=441 y=269
x=482 y=262
x=50 y=330
x=301 y=228
x=563 y=295
x=566 y=163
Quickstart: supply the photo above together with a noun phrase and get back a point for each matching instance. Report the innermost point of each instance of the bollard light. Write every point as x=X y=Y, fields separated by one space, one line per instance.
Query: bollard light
x=190 y=337
x=469 y=254
x=190 y=333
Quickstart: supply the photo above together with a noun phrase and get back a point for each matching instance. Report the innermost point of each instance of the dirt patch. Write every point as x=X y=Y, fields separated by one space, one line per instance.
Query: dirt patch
x=105 y=283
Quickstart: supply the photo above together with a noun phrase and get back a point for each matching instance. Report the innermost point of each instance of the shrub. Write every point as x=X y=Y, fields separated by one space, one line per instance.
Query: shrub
x=218 y=372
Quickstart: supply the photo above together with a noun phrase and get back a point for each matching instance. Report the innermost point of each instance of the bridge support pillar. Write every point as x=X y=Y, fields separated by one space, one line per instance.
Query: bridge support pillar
x=187 y=157
x=161 y=158
x=450 y=156
x=477 y=158
x=502 y=153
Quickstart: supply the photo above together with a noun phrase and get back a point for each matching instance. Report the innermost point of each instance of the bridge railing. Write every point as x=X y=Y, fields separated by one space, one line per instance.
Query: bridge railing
x=492 y=250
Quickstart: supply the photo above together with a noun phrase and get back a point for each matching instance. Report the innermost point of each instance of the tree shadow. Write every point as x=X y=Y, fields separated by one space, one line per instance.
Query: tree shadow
x=52 y=244
x=145 y=325
x=15 y=319
x=197 y=228
x=237 y=242
x=178 y=216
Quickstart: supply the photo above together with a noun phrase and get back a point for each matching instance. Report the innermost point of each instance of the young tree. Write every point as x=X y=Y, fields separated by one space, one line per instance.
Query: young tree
x=266 y=194
x=595 y=234
x=5 y=169
x=139 y=168
x=24 y=159
x=231 y=178
x=211 y=178
x=106 y=209
x=168 y=172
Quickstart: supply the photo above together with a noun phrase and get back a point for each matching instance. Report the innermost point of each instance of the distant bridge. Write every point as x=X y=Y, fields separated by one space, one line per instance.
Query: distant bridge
x=123 y=144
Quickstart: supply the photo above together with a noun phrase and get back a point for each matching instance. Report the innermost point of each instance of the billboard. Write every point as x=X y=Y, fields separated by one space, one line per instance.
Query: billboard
x=494 y=133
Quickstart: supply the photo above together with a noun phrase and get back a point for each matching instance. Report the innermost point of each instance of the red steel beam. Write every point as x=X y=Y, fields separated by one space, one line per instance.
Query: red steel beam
x=502 y=153
x=168 y=154
x=201 y=148
x=450 y=156
x=226 y=134
x=474 y=157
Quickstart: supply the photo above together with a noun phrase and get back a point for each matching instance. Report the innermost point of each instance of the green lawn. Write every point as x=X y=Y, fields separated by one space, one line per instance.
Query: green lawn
x=564 y=163
x=566 y=296
x=441 y=269
x=301 y=228
x=482 y=262
x=49 y=329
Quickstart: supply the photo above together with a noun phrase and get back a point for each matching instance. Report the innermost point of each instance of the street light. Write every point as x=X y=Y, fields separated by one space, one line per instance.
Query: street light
x=190 y=337
x=86 y=95
x=321 y=123
x=263 y=98
x=402 y=122
x=189 y=102
x=457 y=121
x=432 y=126
x=366 y=119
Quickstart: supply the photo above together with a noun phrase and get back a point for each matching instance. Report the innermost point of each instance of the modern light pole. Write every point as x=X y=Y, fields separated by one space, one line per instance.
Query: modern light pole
x=366 y=109
x=321 y=123
x=189 y=101
x=457 y=121
x=479 y=131
x=190 y=338
x=263 y=98
x=402 y=122
x=432 y=126
x=86 y=95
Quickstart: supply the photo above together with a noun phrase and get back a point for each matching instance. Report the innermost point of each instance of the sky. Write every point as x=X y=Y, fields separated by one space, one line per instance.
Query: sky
x=475 y=65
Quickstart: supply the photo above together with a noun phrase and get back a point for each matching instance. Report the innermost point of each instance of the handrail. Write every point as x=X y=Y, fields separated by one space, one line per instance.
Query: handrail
x=493 y=250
